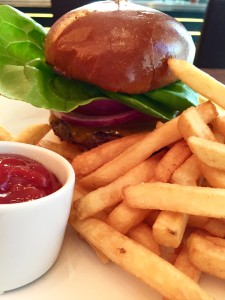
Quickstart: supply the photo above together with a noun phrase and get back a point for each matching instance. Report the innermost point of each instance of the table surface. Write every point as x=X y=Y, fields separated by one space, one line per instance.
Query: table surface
x=219 y=74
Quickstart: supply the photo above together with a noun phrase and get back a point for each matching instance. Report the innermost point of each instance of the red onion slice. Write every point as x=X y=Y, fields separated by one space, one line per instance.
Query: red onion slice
x=97 y=121
x=102 y=107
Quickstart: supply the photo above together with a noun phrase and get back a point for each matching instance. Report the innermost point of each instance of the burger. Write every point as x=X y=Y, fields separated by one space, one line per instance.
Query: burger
x=101 y=69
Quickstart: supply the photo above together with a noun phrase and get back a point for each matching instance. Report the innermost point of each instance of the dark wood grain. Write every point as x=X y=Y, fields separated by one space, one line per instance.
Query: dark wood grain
x=219 y=74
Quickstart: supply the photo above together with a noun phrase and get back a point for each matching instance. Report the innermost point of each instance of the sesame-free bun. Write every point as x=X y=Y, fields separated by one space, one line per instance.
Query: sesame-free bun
x=119 y=48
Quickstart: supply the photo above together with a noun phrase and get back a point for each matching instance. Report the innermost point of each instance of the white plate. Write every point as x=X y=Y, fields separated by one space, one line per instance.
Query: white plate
x=78 y=274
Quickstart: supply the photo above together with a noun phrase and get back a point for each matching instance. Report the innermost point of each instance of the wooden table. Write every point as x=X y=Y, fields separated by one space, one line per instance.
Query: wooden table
x=219 y=74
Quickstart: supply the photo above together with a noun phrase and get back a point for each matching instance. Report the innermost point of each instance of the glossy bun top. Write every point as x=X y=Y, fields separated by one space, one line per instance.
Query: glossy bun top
x=120 y=48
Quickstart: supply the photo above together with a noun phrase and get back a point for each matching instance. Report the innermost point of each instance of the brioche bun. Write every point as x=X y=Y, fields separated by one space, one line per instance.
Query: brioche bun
x=121 y=48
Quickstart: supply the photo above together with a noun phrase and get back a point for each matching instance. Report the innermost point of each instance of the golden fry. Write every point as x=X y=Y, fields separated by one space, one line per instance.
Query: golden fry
x=123 y=217
x=184 y=264
x=111 y=194
x=91 y=160
x=209 y=152
x=65 y=149
x=188 y=173
x=211 y=225
x=202 y=201
x=214 y=177
x=190 y=123
x=199 y=81
x=206 y=255
x=142 y=234
x=169 y=227
x=218 y=124
x=163 y=136
x=151 y=269
x=5 y=135
x=33 y=134
x=173 y=159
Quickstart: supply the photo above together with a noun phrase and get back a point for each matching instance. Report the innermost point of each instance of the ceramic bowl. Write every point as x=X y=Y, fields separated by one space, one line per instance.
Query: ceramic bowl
x=32 y=233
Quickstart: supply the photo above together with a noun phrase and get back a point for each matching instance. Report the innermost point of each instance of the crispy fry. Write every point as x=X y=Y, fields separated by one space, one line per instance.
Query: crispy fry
x=142 y=234
x=165 y=135
x=202 y=201
x=169 y=227
x=91 y=160
x=152 y=216
x=65 y=149
x=32 y=134
x=214 y=177
x=111 y=194
x=206 y=255
x=5 y=135
x=184 y=264
x=190 y=123
x=134 y=155
x=197 y=221
x=216 y=240
x=218 y=124
x=198 y=80
x=165 y=278
x=102 y=257
x=209 y=152
x=211 y=225
x=173 y=159
x=188 y=173
x=123 y=218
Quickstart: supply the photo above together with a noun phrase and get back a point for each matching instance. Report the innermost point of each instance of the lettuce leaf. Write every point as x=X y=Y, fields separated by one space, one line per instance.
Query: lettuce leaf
x=25 y=76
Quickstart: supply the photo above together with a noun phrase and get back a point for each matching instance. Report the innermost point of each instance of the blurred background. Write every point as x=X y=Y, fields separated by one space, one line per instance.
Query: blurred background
x=204 y=19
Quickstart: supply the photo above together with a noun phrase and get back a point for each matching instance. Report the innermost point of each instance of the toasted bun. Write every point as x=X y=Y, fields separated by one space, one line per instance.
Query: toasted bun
x=121 y=48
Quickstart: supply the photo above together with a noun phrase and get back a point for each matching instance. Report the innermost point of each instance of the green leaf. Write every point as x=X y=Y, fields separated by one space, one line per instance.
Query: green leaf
x=17 y=26
x=143 y=104
x=176 y=96
x=25 y=76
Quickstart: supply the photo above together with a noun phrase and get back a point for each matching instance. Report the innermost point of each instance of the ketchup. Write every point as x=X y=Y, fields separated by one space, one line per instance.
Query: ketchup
x=24 y=179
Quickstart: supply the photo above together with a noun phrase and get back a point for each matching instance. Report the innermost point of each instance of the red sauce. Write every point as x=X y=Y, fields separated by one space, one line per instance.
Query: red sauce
x=23 y=179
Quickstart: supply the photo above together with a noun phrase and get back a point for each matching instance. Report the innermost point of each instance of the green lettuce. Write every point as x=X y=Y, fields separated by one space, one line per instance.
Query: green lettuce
x=25 y=76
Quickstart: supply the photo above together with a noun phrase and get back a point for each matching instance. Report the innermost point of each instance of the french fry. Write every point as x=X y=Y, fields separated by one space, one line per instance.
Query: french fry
x=126 y=253
x=211 y=225
x=218 y=124
x=209 y=152
x=216 y=240
x=206 y=255
x=64 y=149
x=111 y=194
x=163 y=136
x=102 y=257
x=184 y=264
x=214 y=177
x=195 y=200
x=188 y=173
x=198 y=80
x=169 y=227
x=5 y=135
x=32 y=134
x=173 y=159
x=215 y=227
x=142 y=234
x=123 y=218
x=190 y=123
x=197 y=221
x=91 y=160
x=152 y=216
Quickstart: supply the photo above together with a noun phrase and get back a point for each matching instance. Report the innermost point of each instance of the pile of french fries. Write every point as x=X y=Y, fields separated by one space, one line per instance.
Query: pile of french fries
x=154 y=203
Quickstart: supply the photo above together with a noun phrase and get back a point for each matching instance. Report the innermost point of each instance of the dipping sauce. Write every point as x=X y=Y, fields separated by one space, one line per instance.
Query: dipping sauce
x=24 y=179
